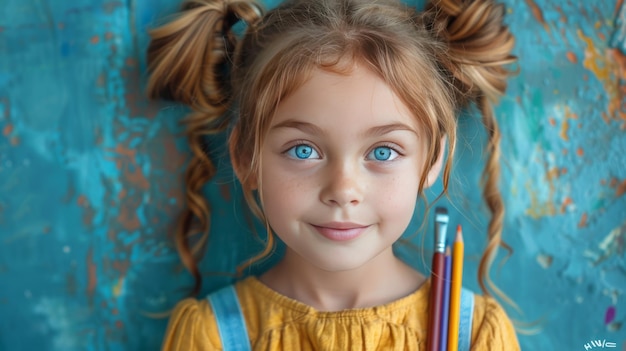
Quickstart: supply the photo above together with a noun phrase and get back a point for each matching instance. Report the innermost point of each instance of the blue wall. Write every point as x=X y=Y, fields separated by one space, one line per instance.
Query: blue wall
x=91 y=178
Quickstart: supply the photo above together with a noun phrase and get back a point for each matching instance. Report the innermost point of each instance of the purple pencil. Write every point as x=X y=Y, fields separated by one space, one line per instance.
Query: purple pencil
x=445 y=310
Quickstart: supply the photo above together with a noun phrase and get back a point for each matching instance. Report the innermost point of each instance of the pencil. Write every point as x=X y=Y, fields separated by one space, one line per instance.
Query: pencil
x=455 y=290
x=436 y=286
x=443 y=343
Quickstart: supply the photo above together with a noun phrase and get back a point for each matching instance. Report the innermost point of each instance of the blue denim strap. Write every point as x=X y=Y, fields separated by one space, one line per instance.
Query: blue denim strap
x=465 y=322
x=230 y=321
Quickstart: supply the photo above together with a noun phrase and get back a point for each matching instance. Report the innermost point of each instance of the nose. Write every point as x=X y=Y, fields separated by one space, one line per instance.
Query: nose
x=343 y=186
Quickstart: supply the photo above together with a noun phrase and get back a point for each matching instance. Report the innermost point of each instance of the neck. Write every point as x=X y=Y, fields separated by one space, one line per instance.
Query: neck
x=383 y=279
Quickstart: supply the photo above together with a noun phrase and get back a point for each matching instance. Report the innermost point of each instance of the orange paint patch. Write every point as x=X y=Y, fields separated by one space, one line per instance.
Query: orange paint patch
x=607 y=66
x=583 y=221
x=127 y=163
x=131 y=62
x=552 y=173
x=89 y=213
x=82 y=201
x=95 y=39
x=8 y=129
x=92 y=279
x=538 y=14
x=620 y=189
x=128 y=214
x=564 y=129
x=566 y=202
x=568 y=114
x=571 y=57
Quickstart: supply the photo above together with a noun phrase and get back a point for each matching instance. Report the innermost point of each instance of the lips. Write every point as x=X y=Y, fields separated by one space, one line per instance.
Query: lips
x=340 y=231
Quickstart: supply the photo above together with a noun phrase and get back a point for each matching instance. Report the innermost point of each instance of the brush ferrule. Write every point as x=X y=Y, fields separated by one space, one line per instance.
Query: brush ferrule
x=441 y=228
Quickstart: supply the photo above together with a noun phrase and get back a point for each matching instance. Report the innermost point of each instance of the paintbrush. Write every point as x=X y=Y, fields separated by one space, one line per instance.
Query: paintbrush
x=437 y=280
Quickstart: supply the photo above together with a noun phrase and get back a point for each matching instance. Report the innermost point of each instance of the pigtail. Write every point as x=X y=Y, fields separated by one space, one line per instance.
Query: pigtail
x=189 y=60
x=478 y=46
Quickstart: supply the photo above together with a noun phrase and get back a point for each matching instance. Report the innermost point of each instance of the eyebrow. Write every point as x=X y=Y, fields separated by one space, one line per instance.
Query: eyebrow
x=310 y=128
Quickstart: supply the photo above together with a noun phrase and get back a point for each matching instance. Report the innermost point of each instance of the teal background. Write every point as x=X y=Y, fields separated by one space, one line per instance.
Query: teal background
x=91 y=179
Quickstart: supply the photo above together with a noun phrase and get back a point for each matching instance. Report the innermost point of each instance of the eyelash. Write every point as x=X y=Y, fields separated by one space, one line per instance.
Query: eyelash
x=297 y=143
x=390 y=146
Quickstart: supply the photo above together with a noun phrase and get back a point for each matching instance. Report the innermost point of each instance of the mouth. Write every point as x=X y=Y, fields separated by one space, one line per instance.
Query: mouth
x=340 y=231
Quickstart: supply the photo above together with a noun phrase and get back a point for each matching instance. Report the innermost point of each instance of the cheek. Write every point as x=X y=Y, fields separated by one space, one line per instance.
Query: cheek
x=281 y=194
x=398 y=200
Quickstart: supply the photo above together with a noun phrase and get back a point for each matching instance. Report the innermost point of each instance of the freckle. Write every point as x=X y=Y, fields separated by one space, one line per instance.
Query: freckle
x=563 y=170
x=552 y=121
x=564 y=151
x=95 y=39
x=580 y=151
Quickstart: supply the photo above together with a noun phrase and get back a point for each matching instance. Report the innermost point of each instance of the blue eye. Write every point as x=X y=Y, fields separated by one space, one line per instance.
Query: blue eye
x=303 y=152
x=382 y=153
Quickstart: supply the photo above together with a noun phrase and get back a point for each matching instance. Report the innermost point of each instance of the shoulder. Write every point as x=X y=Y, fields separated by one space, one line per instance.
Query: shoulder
x=192 y=324
x=491 y=327
x=192 y=327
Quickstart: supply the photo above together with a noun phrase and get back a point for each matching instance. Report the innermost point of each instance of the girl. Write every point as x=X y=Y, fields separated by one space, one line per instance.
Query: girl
x=340 y=112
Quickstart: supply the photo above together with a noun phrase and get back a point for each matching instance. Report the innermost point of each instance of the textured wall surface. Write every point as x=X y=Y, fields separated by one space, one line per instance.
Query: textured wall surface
x=90 y=178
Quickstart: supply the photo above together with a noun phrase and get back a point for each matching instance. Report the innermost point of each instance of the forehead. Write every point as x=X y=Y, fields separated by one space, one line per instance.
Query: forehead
x=359 y=97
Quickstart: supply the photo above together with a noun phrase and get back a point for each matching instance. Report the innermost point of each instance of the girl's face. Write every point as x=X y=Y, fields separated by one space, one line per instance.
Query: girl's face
x=340 y=170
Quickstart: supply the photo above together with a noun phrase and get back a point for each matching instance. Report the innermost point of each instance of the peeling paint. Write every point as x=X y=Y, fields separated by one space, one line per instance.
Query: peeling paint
x=91 y=177
x=607 y=67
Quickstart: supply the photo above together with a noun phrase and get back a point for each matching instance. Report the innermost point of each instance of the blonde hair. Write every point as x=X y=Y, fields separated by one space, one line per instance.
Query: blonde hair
x=437 y=61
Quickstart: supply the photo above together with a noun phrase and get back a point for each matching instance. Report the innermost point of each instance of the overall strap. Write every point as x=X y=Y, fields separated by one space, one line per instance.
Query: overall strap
x=230 y=321
x=465 y=323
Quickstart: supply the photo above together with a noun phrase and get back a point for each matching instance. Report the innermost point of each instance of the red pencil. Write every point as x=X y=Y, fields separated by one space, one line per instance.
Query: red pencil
x=437 y=281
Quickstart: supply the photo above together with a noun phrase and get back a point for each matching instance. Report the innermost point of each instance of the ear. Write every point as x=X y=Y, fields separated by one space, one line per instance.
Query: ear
x=242 y=162
x=434 y=171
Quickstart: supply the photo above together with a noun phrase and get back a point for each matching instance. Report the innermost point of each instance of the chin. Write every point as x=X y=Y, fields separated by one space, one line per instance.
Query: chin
x=336 y=266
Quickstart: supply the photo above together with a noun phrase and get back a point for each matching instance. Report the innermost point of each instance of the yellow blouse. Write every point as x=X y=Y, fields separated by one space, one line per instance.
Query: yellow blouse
x=276 y=322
